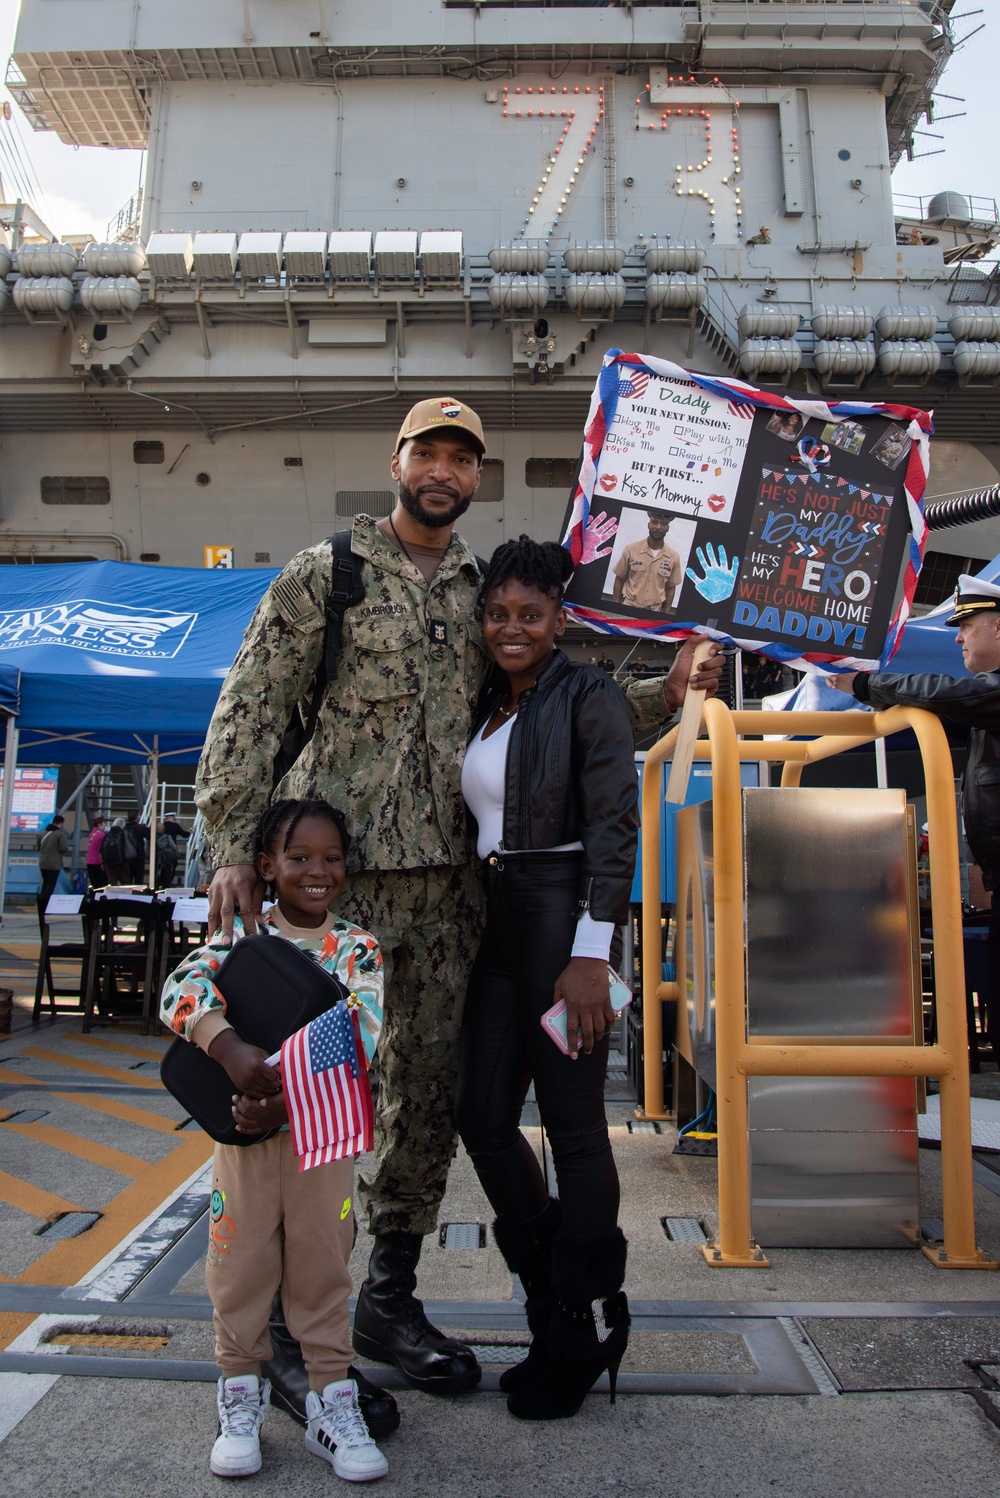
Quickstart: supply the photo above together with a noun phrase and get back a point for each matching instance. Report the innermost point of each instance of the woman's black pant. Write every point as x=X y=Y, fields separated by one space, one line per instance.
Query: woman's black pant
x=531 y=920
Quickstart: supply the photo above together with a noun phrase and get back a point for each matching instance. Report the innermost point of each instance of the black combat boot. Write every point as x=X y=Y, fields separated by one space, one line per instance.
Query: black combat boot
x=390 y=1325
x=290 y=1382
x=527 y=1251
x=588 y=1328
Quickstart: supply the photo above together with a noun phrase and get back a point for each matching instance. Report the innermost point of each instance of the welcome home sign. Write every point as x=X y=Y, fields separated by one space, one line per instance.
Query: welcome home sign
x=786 y=526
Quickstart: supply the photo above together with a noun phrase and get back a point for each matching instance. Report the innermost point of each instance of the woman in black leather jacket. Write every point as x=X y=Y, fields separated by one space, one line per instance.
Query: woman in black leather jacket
x=550 y=777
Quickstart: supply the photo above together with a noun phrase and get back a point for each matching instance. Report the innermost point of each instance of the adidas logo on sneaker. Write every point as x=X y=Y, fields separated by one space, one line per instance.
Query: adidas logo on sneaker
x=242 y=1405
x=336 y=1431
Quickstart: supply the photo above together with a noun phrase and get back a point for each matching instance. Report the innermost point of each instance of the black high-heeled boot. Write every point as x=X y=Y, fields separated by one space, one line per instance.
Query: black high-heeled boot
x=527 y=1251
x=588 y=1328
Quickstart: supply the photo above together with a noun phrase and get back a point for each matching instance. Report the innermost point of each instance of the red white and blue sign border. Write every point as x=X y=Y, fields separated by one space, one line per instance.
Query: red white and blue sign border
x=619 y=368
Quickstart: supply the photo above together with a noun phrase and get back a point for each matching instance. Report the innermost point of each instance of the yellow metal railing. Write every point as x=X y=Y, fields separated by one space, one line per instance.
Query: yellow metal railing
x=738 y=1057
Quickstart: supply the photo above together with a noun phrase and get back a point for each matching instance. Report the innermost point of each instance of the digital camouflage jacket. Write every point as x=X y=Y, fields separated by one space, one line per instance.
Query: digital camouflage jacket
x=392 y=728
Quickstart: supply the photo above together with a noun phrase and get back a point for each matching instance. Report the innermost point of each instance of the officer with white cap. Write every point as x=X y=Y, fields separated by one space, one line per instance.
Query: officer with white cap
x=974 y=701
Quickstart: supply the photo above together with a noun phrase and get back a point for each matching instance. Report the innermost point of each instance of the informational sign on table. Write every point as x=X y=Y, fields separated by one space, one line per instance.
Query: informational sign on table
x=194 y=911
x=64 y=905
x=779 y=524
x=34 y=797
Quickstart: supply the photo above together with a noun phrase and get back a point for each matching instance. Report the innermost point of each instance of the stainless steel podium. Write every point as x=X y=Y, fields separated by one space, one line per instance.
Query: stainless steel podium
x=831 y=933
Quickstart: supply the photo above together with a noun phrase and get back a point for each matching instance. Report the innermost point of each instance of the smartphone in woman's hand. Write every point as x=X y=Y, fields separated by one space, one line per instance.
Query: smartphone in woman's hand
x=553 y=1021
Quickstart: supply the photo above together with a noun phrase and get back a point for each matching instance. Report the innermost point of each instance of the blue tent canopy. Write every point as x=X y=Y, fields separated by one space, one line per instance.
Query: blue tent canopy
x=10 y=689
x=112 y=653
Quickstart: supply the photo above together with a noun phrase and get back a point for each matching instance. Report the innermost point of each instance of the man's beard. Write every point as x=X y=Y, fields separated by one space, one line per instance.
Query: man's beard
x=433 y=519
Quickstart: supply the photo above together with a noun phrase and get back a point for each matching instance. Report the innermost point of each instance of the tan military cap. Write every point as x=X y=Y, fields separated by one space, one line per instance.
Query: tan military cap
x=443 y=413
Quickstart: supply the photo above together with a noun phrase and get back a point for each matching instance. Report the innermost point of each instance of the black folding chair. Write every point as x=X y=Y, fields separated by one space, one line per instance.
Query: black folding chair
x=62 y=966
x=126 y=963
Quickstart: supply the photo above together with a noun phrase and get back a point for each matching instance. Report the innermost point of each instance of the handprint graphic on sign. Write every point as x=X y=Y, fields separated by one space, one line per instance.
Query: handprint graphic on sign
x=599 y=528
x=720 y=577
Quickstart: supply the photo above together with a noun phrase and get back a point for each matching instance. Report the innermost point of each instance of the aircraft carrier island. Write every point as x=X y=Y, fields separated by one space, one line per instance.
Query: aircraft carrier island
x=347 y=207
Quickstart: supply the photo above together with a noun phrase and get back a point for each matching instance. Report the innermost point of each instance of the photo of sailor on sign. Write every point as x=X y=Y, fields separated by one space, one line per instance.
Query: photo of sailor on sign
x=759 y=519
x=647 y=560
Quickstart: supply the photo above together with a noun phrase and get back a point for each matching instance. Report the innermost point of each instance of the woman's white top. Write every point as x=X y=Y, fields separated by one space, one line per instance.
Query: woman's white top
x=484 y=776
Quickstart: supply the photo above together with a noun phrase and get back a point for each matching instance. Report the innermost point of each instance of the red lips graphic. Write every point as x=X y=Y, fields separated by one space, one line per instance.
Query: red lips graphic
x=608 y=481
x=716 y=502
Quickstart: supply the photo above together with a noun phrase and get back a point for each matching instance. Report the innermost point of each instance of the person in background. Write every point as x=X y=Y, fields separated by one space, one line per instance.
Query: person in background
x=166 y=855
x=975 y=701
x=606 y=663
x=52 y=845
x=138 y=834
x=114 y=853
x=96 y=877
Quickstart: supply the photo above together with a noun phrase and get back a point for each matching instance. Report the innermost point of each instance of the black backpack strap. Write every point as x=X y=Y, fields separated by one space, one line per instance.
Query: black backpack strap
x=346 y=591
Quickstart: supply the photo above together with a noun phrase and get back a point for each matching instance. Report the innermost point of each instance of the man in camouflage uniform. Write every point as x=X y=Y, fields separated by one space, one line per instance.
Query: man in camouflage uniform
x=387 y=749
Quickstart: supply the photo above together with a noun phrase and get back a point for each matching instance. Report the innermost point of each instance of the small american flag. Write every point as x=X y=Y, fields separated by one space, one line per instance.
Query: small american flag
x=740 y=408
x=325 y=1075
x=634 y=385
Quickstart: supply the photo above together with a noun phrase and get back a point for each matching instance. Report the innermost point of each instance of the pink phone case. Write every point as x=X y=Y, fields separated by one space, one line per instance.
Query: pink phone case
x=553 y=1021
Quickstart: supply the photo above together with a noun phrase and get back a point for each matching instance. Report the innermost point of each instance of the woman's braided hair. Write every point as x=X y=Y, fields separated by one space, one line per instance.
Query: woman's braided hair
x=537 y=564
x=286 y=815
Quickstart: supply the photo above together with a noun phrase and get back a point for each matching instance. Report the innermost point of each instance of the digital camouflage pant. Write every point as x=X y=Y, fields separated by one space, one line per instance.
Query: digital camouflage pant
x=428 y=923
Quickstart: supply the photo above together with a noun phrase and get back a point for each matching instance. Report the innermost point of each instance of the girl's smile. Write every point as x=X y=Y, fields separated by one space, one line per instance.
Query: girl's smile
x=308 y=875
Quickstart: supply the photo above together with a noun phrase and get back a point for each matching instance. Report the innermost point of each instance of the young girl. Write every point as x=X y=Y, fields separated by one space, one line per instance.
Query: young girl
x=271 y=1223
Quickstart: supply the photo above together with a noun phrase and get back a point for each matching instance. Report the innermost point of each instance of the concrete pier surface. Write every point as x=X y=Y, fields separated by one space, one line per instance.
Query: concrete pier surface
x=830 y=1372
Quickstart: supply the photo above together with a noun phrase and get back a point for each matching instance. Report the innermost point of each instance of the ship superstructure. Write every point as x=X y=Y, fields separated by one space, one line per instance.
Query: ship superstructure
x=350 y=206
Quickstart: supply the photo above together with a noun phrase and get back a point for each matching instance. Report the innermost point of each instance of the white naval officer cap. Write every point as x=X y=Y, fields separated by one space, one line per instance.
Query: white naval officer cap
x=973 y=596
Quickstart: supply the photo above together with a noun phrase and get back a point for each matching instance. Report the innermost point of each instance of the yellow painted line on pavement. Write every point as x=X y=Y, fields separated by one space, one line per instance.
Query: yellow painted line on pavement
x=70 y=1259
x=83 y=1149
x=114 y=1045
x=127 y=1340
x=124 y=1111
x=67 y=1262
x=94 y=1068
x=32 y=1199
x=11 y=1326
x=8 y=1074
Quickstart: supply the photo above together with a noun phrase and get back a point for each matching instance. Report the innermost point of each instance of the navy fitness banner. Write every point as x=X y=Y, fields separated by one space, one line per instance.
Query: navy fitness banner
x=778 y=524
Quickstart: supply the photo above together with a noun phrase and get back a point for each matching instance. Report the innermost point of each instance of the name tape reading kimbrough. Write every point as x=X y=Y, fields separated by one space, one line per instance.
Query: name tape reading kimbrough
x=787 y=526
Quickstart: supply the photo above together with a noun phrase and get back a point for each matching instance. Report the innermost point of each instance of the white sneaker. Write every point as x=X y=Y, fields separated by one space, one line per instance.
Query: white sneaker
x=242 y=1404
x=336 y=1431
